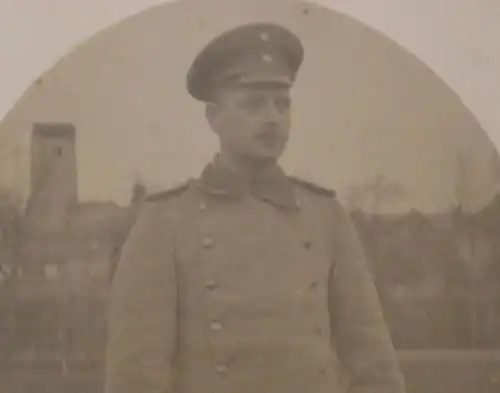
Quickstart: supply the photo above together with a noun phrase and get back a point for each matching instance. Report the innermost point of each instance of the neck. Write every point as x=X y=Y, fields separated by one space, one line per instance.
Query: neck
x=245 y=166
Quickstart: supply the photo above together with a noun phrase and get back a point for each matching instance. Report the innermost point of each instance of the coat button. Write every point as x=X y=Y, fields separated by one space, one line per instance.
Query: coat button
x=211 y=284
x=216 y=326
x=318 y=330
x=207 y=242
x=202 y=206
x=221 y=369
x=313 y=285
x=322 y=369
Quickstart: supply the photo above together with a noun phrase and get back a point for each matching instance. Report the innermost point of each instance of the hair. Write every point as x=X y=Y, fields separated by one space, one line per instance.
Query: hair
x=215 y=94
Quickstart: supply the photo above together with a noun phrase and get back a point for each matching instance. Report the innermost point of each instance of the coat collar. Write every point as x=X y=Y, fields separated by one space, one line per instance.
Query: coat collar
x=271 y=185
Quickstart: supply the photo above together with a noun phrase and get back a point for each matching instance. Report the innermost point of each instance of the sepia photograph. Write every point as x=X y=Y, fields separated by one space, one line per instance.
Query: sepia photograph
x=247 y=196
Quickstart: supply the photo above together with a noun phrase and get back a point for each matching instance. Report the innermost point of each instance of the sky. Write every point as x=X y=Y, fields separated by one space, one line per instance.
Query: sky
x=456 y=39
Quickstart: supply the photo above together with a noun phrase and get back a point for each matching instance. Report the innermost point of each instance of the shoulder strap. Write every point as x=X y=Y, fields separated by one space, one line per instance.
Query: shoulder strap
x=314 y=187
x=167 y=194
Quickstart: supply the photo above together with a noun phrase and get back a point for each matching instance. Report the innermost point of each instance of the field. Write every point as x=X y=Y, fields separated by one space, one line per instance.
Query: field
x=425 y=372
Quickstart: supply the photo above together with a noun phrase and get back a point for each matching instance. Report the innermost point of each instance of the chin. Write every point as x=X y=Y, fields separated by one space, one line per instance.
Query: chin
x=269 y=157
x=268 y=152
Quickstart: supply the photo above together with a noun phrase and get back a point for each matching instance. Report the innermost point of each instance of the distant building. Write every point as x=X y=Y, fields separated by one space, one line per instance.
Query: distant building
x=53 y=176
x=67 y=249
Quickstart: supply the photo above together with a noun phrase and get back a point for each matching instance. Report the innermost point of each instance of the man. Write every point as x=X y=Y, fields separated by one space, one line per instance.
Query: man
x=246 y=280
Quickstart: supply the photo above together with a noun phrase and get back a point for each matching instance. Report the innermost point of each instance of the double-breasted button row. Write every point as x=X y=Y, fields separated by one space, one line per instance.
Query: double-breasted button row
x=207 y=242
x=210 y=283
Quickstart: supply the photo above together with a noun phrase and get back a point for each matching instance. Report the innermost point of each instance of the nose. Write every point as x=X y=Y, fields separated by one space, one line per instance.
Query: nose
x=270 y=112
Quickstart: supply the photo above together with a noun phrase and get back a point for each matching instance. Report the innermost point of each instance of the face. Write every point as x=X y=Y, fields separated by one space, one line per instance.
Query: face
x=252 y=122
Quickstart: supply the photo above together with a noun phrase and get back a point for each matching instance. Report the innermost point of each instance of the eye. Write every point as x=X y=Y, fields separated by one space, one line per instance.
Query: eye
x=256 y=103
x=252 y=103
x=282 y=104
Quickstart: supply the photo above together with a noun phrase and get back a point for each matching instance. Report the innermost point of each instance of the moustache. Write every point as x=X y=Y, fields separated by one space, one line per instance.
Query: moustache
x=269 y=137
x=269 y=134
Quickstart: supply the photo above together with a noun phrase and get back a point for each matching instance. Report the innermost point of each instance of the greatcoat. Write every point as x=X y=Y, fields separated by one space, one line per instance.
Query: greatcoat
x=231 y=285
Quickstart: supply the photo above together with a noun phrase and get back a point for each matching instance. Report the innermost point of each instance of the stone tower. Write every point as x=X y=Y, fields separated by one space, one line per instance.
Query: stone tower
x=53 y=176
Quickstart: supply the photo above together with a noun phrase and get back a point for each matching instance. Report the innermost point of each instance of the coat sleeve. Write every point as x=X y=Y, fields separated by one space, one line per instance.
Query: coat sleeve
x=359 y=331
x=142 y=309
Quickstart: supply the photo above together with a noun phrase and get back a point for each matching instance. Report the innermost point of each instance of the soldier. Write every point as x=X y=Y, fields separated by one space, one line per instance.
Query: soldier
x=244 y=279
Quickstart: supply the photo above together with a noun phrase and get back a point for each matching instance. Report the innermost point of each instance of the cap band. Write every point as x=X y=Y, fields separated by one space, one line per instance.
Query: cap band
x=260 y=53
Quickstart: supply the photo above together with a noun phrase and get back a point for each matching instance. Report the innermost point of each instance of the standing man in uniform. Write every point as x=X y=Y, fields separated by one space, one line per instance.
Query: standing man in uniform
x=245 y=280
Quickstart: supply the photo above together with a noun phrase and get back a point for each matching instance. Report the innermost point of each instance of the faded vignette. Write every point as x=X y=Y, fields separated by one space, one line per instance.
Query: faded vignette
x=112 y=122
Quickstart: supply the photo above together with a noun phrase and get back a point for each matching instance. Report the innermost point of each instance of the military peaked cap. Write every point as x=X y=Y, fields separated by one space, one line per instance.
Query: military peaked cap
x=249 y=54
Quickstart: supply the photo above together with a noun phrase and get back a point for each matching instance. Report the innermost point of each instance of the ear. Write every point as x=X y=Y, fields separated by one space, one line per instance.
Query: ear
x=212 y=115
